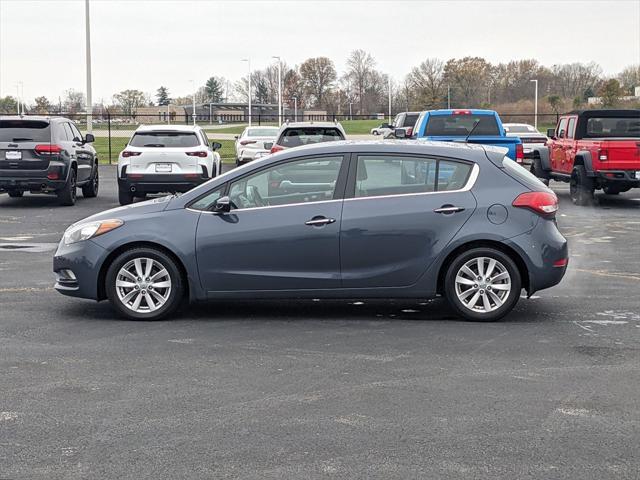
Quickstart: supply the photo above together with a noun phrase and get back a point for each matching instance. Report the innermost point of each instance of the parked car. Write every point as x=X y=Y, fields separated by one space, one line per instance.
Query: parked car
x=382 y=129
x=253 y=141
x=592 y=149
x=347 y=220
x=405 y=121
x=297 y=134
x=166 y=158
x=470 y=126
x=46 y=155
x=529 y=135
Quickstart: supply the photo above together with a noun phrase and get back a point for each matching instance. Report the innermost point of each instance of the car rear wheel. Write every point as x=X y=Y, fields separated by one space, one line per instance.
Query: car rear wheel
x=15 y=193
x=482 y=284
x=581 y=187
x=125 y=197
x=67 y=194
x=536 y=169
x=144 y=284
x=90 y=190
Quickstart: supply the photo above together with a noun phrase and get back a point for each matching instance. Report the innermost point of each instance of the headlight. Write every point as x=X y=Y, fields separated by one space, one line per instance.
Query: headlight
x=85 y=231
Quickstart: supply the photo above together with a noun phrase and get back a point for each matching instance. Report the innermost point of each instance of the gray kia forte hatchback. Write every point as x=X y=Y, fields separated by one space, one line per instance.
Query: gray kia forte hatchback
x=342 y=219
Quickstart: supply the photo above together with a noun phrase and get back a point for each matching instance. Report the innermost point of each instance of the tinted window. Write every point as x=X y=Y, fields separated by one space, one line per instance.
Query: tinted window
x=572 y=127
x=300 y=181
x=461 y=125
x=613 y=127
x=378 y=175
x=262 y=132
x=207 y=201
x=24 y=131
x=164 y=139
x=295 y=137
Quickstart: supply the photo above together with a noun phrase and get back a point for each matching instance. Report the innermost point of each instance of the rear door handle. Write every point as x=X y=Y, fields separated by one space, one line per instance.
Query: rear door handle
x=447 y=209
x=319 y=221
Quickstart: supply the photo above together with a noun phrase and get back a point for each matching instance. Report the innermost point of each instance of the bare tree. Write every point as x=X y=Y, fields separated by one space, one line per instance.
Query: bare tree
x=428 y=82
x=318 y=75
x=574 y=79
x=469 y=78
x=629 y=78
x=360 y=71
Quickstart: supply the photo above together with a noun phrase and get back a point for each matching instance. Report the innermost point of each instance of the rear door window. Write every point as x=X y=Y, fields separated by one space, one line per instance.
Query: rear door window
x=165 y=139
x=295 y=137
x=461 y=125
x=20 y=130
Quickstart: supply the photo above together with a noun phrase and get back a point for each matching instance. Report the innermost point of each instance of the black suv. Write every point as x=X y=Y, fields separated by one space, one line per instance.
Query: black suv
x=46 y=155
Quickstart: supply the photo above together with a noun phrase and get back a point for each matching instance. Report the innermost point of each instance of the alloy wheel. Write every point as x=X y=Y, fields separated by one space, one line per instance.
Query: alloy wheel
x=483 y=284
x=143 y=285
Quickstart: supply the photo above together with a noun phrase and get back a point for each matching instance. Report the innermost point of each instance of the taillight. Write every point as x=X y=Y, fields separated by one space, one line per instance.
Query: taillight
x=53 y=176
x=561 y=263
x=197 y=154
x=247 y=142
x=543 y=203
x=128 y=153
x=48 y=149
x=603 y=155
x=276 y=148
x=519 y=153
x=461 y=112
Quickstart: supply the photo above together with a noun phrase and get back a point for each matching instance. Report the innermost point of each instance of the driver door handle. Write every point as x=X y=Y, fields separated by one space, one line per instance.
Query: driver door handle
x=319 y=221
x=448 y=209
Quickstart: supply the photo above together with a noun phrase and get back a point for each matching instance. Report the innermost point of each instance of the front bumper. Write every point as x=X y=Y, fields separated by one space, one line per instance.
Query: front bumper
x=157 y=183
x=84 y=260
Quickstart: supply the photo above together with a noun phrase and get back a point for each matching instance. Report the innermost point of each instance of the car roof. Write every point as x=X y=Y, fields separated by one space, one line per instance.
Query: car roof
x=37 y=118
x=322 y=124
x=168 y=128
x=451 y=111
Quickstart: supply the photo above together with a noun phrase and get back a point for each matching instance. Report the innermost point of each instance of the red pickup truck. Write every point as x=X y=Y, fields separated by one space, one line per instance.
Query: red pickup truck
x=592 y=149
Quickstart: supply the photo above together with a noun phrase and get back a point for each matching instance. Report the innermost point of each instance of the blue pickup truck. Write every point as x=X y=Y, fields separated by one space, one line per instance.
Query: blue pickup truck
x=455 y=125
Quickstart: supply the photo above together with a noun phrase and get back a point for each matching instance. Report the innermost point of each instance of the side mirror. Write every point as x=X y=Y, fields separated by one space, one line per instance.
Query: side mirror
x=89 y=138
x=216 y=146
x=400 y=133
x=222 y=205
x=551 y=132
x=236 y=137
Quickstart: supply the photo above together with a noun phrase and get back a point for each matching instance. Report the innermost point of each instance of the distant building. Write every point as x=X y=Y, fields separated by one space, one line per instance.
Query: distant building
x=626 y=98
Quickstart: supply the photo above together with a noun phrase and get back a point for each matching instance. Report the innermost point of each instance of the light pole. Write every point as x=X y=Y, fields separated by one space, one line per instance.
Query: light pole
x=449 y=97
x=350 y=114
x=389 y=98
x=18 y=95
x=535 y=117
x=210 y=117
x=279 y=90
x=248 y=60
x=88 y=62
x=295 y=109
x=193 y=98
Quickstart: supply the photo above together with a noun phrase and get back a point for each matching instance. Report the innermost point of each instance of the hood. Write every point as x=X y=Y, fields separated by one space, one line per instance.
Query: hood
x=136 y=209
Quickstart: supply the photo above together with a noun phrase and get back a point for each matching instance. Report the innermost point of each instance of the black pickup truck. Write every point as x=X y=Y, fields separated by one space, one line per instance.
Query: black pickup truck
x=46 y=155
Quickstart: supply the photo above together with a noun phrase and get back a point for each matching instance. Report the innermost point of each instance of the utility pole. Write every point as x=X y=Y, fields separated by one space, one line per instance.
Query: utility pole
x=88 y=62
x=194 y=101
x=248 y=60
x=535 y=116
x=448 y=97
x=350 y=114
x=389 y=98
x=18 y=96
x=295 y=109
x=279 y=90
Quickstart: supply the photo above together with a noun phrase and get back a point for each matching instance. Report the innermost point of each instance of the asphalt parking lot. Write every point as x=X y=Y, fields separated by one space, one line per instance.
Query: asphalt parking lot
x=322 y=389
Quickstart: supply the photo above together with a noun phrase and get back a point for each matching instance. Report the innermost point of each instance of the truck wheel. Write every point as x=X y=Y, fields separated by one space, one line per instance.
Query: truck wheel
x=90 y=190
x=536 y=169
x=16 y=193
x=125 y=197
x=611 y=190
x=67 y=194
x=581 y=187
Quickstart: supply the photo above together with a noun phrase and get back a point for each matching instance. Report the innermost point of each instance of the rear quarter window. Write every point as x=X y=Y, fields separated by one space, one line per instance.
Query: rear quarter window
x=24 y=131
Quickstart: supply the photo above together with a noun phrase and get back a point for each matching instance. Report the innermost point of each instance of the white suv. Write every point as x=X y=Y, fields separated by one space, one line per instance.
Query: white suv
x=166 y=158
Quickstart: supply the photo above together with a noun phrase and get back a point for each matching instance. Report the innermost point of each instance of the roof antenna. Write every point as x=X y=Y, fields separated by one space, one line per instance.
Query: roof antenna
x=477 y=122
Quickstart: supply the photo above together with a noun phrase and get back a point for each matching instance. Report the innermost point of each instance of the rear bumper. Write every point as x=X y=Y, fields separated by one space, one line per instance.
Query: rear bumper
x=53 y=178
x=156 y=183
x=629 y=178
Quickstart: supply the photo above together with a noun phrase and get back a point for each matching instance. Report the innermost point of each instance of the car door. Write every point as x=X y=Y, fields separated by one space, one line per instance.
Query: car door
x=84 y=154
x=276 y=240
x=557 y=146
x=402 y=211
x=568 y=146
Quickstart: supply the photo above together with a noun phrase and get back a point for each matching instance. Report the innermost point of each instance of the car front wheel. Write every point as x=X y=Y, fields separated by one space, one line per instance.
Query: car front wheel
x=144 y=284
x=482 y=284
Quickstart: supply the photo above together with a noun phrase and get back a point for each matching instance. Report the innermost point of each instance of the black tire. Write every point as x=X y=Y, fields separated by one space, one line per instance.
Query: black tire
x=90 y=190
x=15 y=193
x=510 y=299
x=581 y=187
x=174 y=298
x=611 y=190
x=67 y=194
x=536 y=169
x=125 y=197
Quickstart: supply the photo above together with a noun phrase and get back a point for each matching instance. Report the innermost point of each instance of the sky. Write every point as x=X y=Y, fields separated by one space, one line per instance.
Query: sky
x=142 y=44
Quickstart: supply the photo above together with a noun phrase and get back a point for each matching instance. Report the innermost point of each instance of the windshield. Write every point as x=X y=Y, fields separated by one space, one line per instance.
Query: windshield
x=613 y=127
x=164 y=139
x=294 y=137
x=24 y=131
x=461 y=125
x=262 y=132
